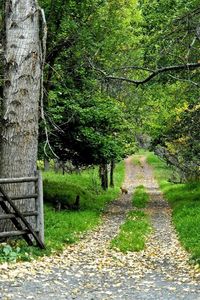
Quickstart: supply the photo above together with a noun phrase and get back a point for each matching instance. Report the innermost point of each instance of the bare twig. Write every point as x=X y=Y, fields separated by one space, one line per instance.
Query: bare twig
x=47 y=143
x=182 y=79
x=43 y=57
x=190 y=47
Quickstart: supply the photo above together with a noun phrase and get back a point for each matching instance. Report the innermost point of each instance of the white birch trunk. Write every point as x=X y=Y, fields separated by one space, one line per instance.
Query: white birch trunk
x=23 y=68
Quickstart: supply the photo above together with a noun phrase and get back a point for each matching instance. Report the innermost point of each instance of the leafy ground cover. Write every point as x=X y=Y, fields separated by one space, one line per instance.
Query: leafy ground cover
x=185 y=202
x=65 y=226
x=133 y=232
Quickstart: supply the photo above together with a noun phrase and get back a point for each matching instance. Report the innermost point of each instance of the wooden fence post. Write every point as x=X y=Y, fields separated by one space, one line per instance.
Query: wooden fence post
x=40 y=207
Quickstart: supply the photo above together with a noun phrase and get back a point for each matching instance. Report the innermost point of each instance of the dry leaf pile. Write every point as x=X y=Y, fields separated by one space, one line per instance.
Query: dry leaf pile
x=91 y=270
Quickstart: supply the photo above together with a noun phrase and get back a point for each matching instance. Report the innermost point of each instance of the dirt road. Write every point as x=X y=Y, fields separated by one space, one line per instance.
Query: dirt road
x=90 y=270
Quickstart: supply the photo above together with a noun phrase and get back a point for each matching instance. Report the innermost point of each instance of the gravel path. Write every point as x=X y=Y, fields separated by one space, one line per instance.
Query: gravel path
x=90 y=270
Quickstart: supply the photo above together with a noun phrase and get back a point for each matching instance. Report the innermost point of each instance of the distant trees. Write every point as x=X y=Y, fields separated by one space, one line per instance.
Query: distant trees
x=86 y=123
x=179 y=144
x=174 y=39
x=96 y=47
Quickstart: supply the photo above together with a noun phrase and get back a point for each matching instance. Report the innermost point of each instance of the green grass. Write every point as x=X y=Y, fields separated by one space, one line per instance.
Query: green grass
x=136 y=160
x=66 y=227
x=133 y=233
x=140 y=197
x=185 y=202
x=66 y=187
x=142 y=152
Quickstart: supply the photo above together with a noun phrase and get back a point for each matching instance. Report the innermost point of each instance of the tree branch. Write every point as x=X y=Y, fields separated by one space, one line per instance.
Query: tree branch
x=177 y=68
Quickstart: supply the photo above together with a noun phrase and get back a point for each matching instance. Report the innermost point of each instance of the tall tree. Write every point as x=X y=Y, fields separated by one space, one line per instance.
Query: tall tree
x=86 y=34
x=23 y=63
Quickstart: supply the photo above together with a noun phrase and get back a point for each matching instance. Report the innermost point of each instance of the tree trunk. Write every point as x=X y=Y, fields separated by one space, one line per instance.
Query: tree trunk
x=103 y=174
x=46 y=165
x=56 y=165
x=62 y=164
x=112 y=167
x=106 y=176
x=59 y=166
x=22 y=73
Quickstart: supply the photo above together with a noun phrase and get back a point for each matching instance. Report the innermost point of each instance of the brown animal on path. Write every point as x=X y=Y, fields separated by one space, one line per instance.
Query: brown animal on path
x=123 y=190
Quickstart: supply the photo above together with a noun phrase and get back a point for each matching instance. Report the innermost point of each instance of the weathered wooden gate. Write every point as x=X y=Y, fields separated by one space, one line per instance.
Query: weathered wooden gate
x=18 y=219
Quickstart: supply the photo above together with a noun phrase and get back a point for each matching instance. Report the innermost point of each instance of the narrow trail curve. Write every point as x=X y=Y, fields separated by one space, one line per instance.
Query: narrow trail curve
x=91 y=270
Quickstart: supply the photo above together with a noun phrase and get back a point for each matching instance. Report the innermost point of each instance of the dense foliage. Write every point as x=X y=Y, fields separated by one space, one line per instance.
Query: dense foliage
x=90 y=125
x=93 y=119
x=168 y=108
x=180 y=144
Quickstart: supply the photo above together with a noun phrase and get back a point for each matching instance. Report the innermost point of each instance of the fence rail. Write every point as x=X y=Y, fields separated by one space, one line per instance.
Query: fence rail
x=18 y=180
x=22 y=197
x=26 y=214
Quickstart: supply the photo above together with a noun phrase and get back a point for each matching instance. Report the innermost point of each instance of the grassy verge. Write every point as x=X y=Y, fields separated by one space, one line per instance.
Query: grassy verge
x=133 y=232
x=66 y=227
x=140 y=197
x=185 y=202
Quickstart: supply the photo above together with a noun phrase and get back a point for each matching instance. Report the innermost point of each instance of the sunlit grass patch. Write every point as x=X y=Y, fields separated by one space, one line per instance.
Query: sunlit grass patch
x=65 y=188
x=132 y=233
x=136 y=160
x=140 y=197
x=162 y=171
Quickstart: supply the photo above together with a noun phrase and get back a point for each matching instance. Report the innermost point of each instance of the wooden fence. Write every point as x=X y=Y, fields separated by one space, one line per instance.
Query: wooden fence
x=18 y=219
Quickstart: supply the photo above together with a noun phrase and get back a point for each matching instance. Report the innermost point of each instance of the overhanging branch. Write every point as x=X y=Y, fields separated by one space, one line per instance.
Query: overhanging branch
x=177 y=68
